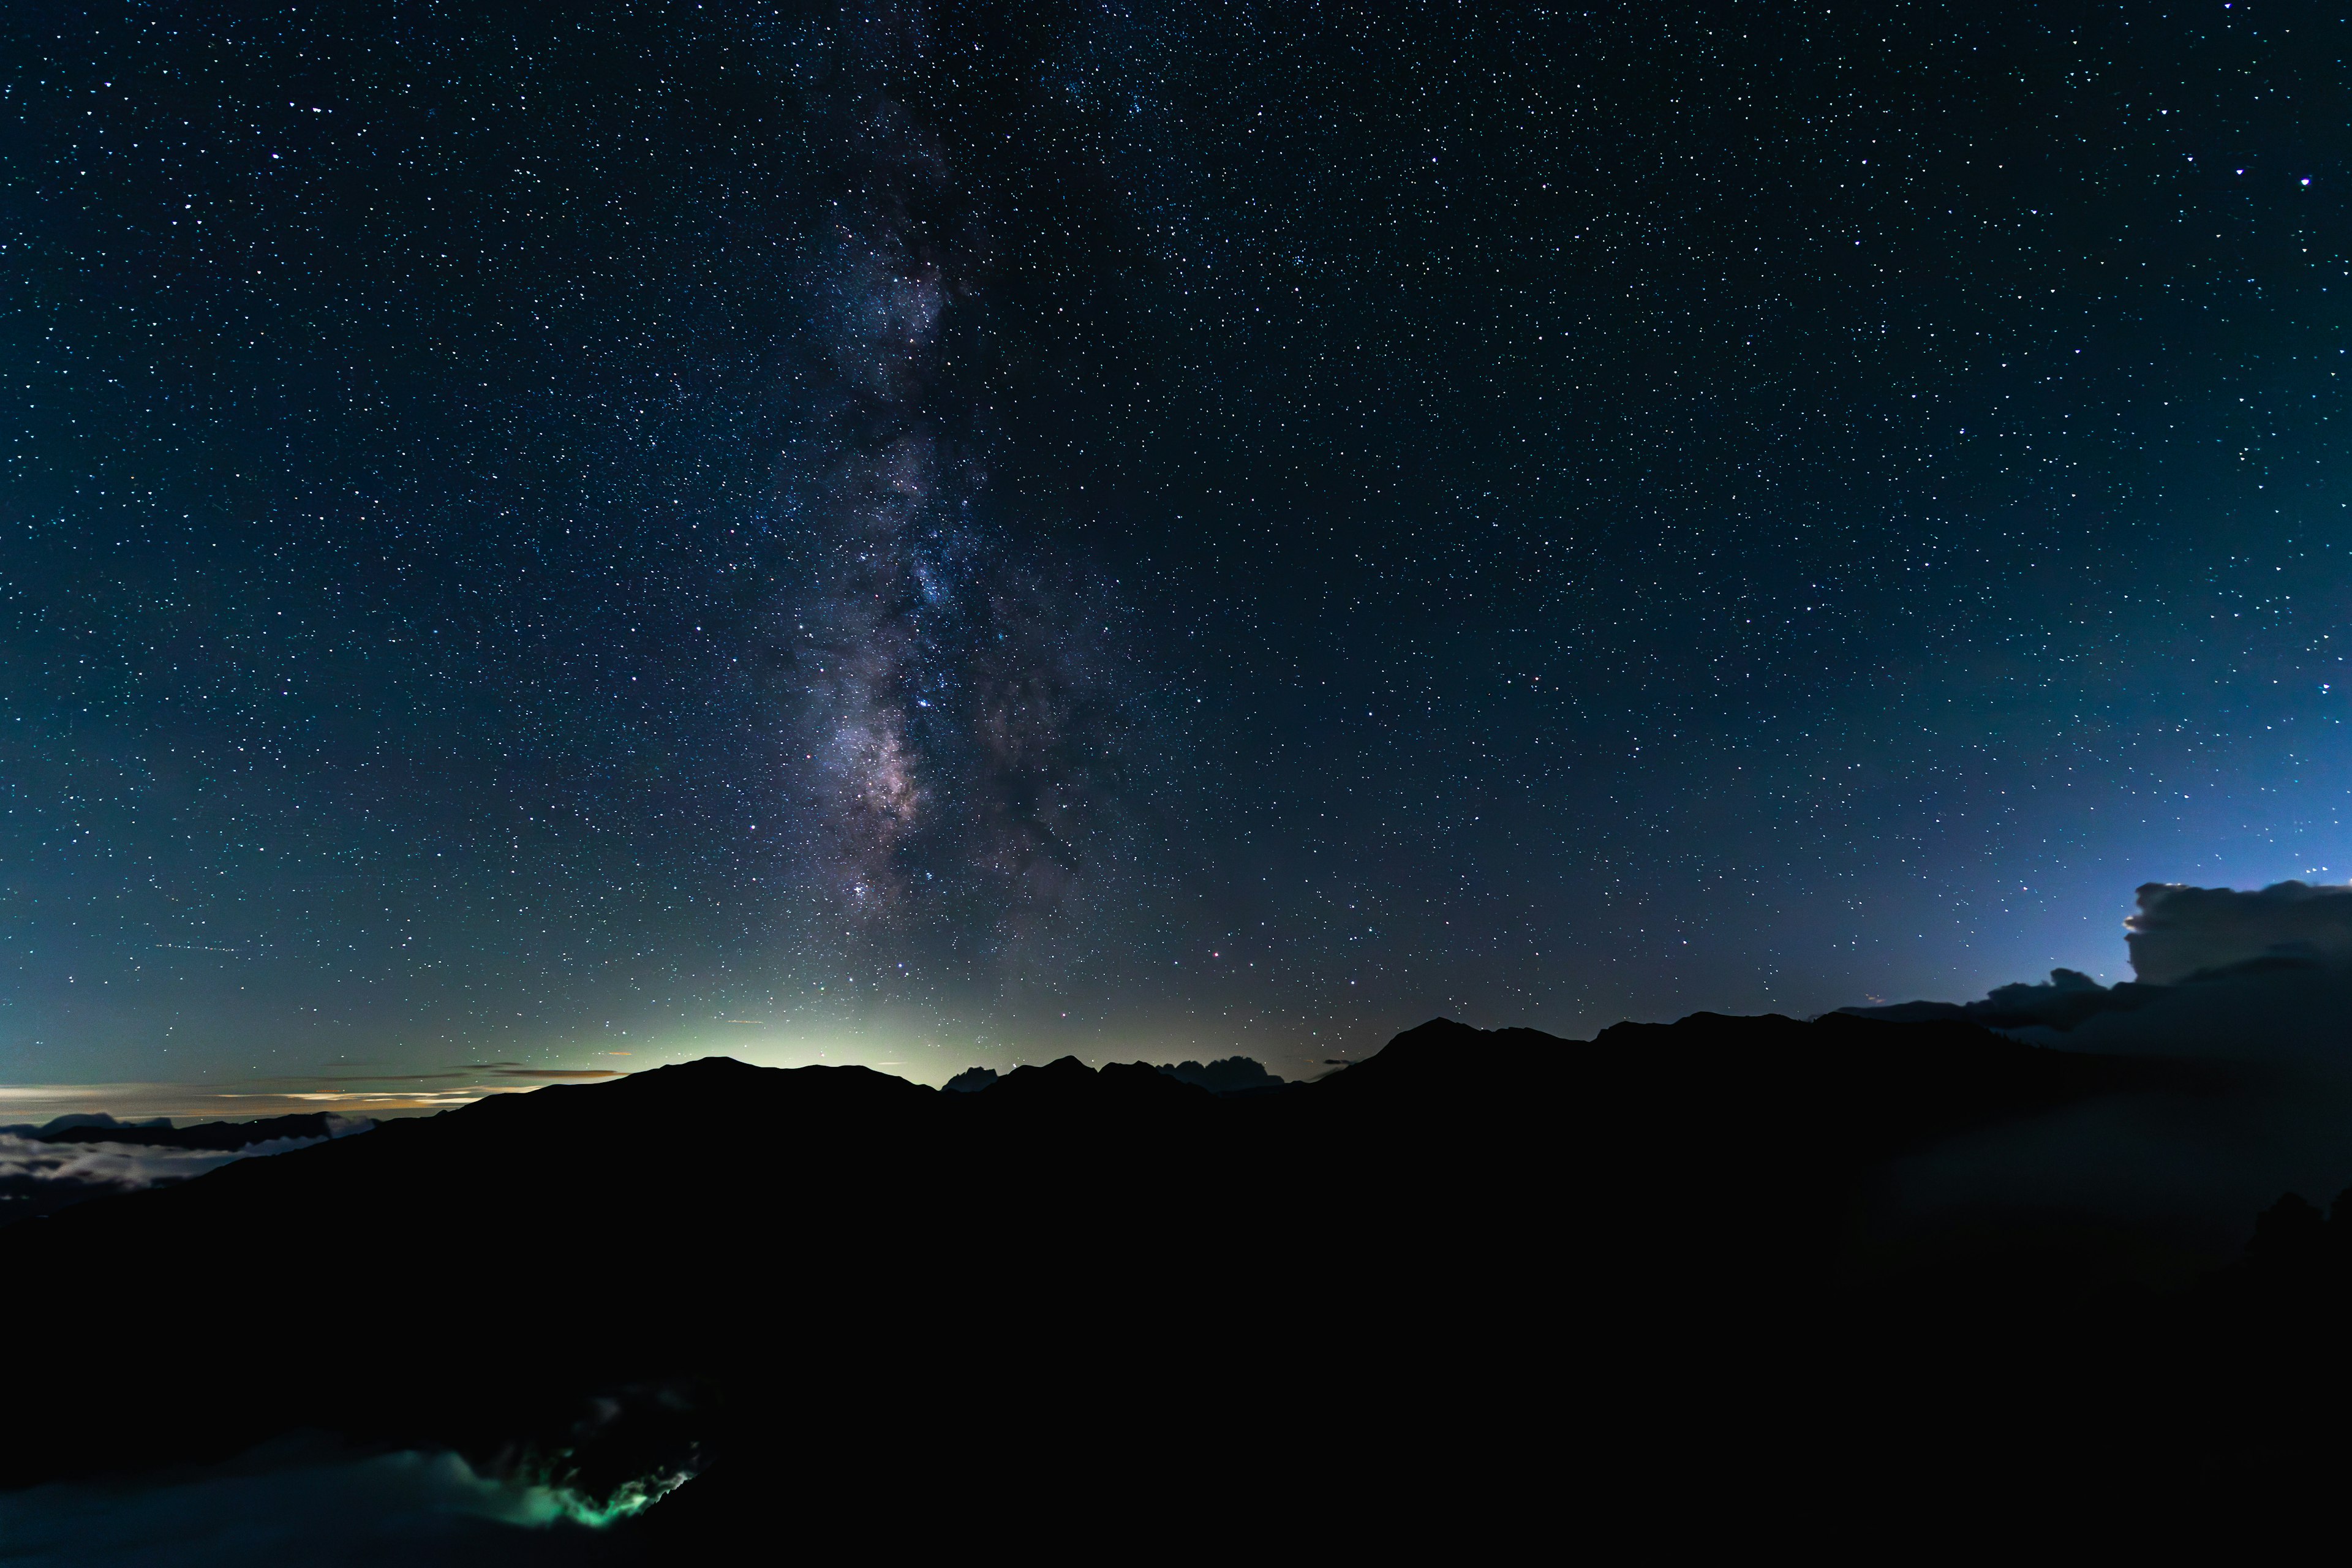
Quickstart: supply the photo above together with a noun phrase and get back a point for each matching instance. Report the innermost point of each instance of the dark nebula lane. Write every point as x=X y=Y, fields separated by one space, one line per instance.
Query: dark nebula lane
x=964 y=691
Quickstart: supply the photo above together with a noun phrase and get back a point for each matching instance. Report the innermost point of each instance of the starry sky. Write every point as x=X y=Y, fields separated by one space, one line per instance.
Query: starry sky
x=553 y=539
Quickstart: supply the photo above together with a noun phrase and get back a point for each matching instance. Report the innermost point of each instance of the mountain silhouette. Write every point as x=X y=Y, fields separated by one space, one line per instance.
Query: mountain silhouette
x=221 y=1135
x=94 y=1119
x=1423 y=1252
x=1232 y=1075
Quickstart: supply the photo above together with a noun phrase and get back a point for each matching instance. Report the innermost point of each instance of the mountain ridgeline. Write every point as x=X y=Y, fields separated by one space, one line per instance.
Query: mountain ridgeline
x=217 y=1135
x=751 y=1274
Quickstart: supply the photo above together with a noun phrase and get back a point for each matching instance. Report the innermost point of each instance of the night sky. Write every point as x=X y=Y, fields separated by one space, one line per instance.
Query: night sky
x=962 y=536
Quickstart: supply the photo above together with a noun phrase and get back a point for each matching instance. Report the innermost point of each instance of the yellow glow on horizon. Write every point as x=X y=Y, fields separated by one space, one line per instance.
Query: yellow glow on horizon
x=920 y=1047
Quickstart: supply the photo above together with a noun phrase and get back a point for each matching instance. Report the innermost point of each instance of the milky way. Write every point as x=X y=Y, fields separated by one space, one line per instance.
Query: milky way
x=662 y=529
x=961 y=711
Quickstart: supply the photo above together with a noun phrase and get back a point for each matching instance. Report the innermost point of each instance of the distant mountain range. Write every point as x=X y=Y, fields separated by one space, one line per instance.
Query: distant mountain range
x=810 y=1279
x=219 y=1135
x=1231 y=1075
x=98 y=1120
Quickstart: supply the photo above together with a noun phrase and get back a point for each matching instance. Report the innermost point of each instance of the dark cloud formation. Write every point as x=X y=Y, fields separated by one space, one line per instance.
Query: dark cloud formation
x=394 y=1077
x=2259 y=1107
x=2180 y=931
x=2252 y=990
x=2185 y=1165
x=2221 y=971
x=556 y=1072
x=2064 y=1000
x=2277 y=1008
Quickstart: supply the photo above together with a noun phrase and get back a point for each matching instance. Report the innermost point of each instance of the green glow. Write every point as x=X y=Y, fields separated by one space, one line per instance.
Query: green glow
x=628 y=1499
x=546 y=1500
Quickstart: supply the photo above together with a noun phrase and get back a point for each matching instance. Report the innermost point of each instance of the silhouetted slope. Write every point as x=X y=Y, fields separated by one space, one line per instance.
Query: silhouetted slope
x=221 y=1135
x=57 y=1124
x=1468 y=1212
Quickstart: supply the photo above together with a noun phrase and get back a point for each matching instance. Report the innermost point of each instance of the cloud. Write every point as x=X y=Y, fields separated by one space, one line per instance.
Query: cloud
x=519 y=1070
x=2256 y=985
x=2275 y=1008
x=2181 y=932
x=2272 y=1008
x=125 y=1166
x=35 y=1104
x=374 y=1095
x=2066 y=999
x=558 y=1072
x=39 y=1178
x=2221 y=972
x=393 y=1077
x=294 y=1508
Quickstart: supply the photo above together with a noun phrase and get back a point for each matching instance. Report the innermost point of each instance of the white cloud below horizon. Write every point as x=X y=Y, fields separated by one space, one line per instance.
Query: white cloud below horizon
x=125 y=1166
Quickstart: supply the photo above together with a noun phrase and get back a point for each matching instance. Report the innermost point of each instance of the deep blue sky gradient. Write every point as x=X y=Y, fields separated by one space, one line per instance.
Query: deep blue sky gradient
x=1568 y=516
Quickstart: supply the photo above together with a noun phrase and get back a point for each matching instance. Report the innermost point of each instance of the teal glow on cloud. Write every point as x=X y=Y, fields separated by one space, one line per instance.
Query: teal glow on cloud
x=407 y=1506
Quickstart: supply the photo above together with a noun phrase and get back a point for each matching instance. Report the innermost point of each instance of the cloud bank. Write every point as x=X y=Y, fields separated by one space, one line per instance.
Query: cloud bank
x=400 y=1508
x=37 y=1177
x=124 y=1165
x=2262 y=974
x=2182 y=931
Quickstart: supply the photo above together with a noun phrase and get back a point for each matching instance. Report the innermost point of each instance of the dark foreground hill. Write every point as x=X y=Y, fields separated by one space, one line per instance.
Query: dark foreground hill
x=1449 y=1267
